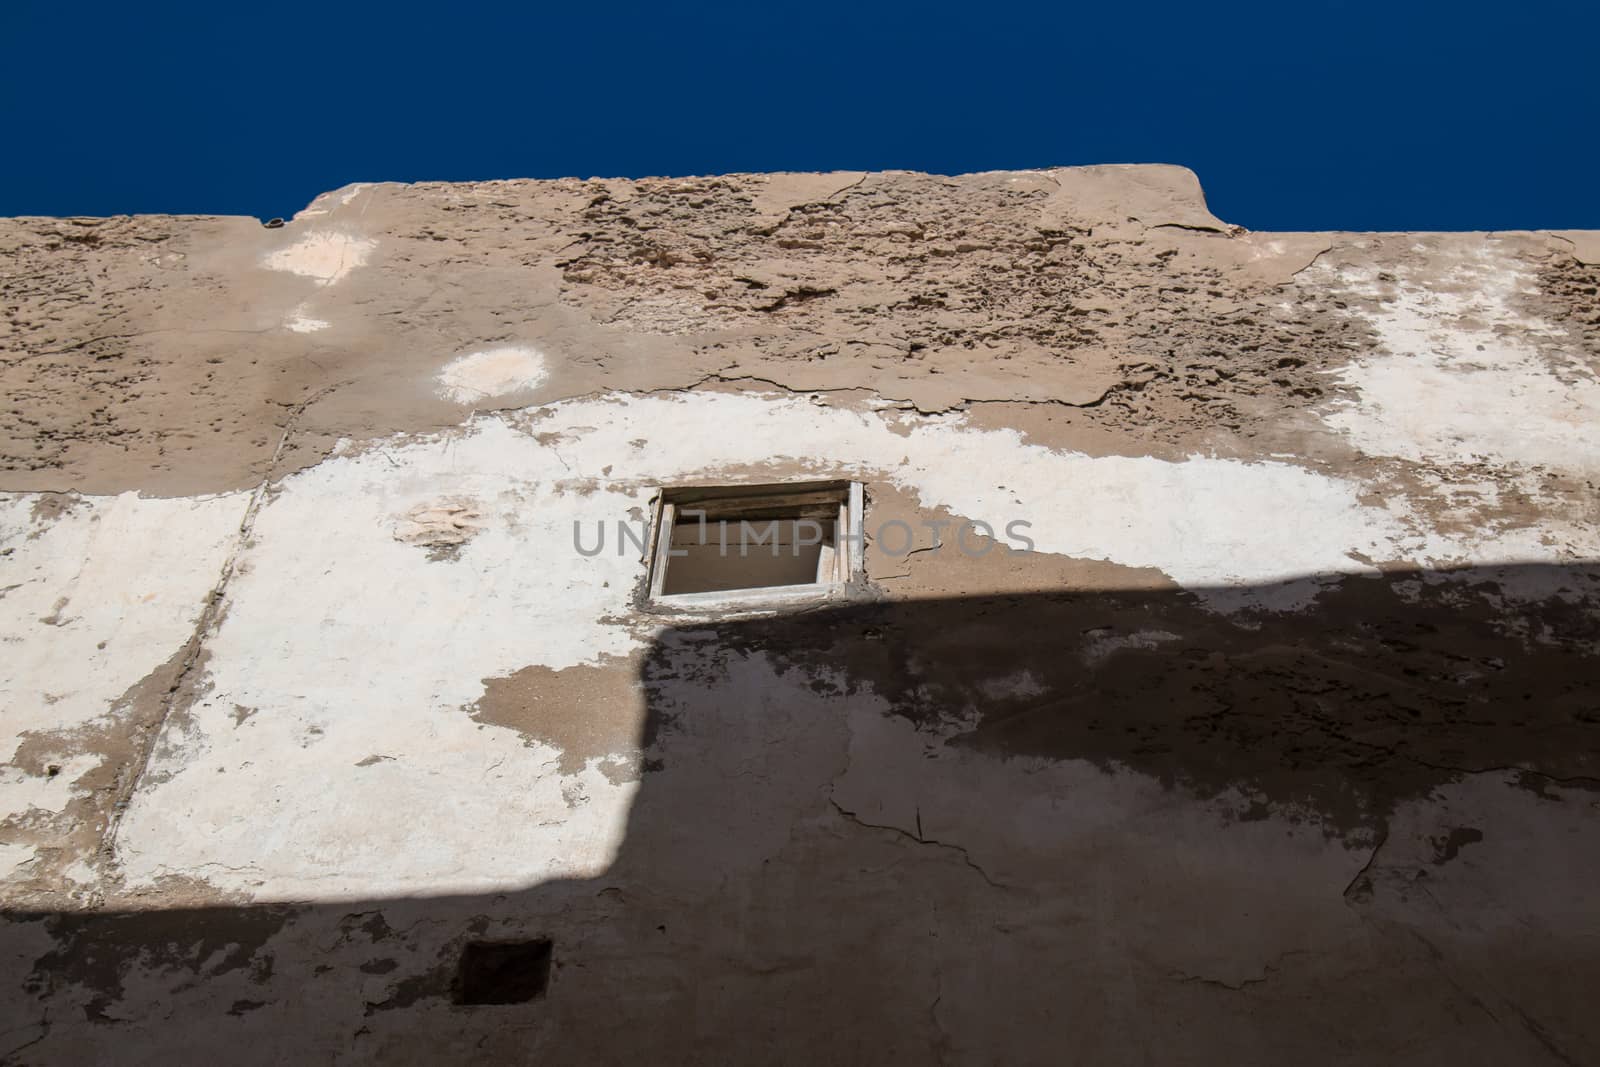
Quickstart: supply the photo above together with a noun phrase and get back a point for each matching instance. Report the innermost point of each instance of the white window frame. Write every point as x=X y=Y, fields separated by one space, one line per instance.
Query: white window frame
x=838 y=570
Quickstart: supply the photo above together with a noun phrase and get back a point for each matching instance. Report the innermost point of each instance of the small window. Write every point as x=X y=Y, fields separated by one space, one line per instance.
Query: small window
x=720 y=547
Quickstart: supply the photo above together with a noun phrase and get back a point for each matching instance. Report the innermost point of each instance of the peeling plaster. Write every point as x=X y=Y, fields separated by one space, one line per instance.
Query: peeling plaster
x=1216 y=776
x=370 y=622
x=1460 y=377
x=104 y=593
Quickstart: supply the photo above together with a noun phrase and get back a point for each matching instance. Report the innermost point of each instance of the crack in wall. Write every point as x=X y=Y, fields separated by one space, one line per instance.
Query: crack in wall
x=210 y=617
x=966 y=857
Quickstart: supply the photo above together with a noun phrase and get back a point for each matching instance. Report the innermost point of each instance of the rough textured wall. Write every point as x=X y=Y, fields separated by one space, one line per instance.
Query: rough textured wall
x=1282 y=743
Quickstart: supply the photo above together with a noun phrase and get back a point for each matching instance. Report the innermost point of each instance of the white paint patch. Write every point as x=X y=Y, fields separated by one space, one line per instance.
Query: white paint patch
x=328 y=203
x=325 y=255
x=389 y=645
x=492 y=373
x=94 y=600
x=359 y=771
x=1461 y=378
x=300 y=321
x=1205 y=522
x=14 y=860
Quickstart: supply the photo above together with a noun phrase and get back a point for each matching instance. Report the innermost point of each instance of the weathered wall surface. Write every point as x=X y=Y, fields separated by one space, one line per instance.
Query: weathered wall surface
x=1282 y=743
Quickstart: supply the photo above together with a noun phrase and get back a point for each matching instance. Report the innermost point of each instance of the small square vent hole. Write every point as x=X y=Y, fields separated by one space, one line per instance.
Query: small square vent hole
x=503 y=972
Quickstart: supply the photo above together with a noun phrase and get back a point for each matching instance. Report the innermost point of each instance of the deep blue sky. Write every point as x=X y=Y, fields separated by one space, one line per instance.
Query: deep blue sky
x=1308 y=115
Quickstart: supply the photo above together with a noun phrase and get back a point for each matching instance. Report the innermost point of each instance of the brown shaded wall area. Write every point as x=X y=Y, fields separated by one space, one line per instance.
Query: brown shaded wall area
x=971 y=830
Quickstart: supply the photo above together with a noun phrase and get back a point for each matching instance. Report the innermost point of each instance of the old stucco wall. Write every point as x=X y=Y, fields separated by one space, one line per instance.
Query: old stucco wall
x=1280 y=744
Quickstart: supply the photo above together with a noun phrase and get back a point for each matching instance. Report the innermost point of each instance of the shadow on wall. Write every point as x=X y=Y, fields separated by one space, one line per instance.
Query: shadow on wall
x=1050 y=827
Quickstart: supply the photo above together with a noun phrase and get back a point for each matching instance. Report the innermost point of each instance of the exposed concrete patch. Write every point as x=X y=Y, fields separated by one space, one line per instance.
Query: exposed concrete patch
x=946 y=557
x=494 y=372
x=48 y=507
x=587 y=712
